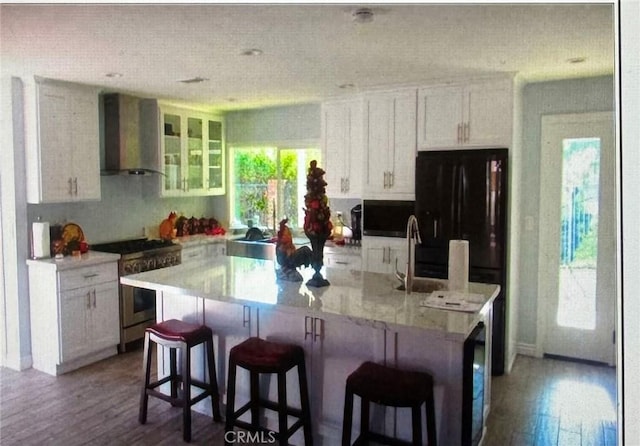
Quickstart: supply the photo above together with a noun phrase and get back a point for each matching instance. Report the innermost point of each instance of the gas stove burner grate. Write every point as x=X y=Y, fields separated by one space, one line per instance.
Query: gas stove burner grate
x=132 y=246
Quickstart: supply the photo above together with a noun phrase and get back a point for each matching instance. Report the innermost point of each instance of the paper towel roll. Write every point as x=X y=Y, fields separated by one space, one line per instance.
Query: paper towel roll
x=459 y=265
x=40 y=240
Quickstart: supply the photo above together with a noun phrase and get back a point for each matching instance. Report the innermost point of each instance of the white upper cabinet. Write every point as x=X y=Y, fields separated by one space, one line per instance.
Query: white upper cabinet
x=472 y=115
x=191 y=153
x=62 y=142
x=342 y=147
x=390 y=144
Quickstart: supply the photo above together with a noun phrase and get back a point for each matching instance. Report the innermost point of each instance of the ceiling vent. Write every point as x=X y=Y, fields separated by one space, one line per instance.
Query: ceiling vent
x=362 y=15
x=193 y=80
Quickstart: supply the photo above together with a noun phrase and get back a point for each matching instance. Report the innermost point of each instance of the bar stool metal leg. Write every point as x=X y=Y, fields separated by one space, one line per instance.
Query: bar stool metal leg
x=282 y=408
x=347 y=418
x=146 y=368
x=186 y=396
x=213 y=381
x=304 y=403
x=416 y=422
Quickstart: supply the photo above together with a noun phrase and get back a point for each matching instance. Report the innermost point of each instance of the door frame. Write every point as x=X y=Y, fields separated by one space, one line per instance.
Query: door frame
x=544 y=288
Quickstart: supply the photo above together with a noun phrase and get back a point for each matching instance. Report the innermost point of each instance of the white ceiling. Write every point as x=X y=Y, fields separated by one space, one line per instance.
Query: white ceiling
x=308 y=50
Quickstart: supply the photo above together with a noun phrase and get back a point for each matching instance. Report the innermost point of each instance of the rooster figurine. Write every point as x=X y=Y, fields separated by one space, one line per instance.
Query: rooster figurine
x=288 y=257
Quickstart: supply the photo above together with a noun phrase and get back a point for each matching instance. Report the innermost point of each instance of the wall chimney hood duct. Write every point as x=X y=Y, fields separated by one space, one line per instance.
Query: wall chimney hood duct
x=130 y=135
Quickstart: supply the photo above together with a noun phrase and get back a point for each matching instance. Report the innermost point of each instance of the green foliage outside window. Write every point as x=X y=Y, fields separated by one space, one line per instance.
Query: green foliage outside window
x=258 y=183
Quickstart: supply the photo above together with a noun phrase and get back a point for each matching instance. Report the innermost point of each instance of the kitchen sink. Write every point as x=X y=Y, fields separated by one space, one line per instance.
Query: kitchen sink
x=254 y=249
x=426 y=285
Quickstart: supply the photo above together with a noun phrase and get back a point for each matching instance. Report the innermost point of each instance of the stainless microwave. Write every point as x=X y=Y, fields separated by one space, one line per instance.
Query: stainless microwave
x=386 y=218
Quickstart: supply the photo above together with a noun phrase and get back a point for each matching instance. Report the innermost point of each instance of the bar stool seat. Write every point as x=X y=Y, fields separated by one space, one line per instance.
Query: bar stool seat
x=389 y=387
x=179 y=336
x=260 y=356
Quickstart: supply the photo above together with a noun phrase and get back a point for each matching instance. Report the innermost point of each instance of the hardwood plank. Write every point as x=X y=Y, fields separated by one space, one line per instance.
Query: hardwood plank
x=98 y=405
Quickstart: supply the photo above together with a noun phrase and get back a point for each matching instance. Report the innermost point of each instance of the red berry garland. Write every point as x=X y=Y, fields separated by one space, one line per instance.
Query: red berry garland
x=317 y=218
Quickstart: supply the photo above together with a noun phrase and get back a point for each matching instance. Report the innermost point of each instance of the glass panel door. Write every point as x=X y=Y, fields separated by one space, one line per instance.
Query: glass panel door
x=195 y=153
x=215 y=161
x=172 y=153
x=577 y=237
x=579 y=233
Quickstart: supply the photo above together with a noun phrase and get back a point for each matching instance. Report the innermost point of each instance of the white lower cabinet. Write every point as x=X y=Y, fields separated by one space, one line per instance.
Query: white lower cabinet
x=74 y=315
x=88 y=317
x=384 y=254
x=348 y=261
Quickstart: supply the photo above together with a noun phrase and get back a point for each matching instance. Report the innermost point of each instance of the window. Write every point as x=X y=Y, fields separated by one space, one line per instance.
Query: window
x=268 y=184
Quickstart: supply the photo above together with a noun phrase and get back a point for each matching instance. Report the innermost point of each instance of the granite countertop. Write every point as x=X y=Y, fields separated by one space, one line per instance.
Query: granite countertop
x=362 y=297
x=69 y=262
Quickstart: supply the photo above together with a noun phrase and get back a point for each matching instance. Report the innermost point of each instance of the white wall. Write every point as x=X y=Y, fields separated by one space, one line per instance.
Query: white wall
x=17 y=343
x=274 y=124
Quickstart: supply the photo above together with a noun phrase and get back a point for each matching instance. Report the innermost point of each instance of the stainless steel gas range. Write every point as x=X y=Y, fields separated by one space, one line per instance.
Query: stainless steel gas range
x=138 y=305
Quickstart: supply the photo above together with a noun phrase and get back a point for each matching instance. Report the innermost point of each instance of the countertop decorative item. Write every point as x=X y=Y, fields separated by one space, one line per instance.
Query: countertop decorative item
x=167 y=227
x=72 y=238
x=317 y=220
x=288 y=258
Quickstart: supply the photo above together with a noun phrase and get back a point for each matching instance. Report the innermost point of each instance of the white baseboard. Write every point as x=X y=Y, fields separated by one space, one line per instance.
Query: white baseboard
x=527 y=349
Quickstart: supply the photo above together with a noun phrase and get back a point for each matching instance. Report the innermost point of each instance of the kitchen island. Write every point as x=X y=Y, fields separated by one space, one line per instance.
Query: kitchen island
x=361 y=316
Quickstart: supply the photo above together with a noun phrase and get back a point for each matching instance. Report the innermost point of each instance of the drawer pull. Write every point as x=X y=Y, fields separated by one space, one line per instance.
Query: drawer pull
x=341 y=263
x=89 y=276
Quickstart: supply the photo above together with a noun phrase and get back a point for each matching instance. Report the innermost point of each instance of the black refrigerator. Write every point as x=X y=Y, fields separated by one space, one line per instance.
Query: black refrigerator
x=462 y=194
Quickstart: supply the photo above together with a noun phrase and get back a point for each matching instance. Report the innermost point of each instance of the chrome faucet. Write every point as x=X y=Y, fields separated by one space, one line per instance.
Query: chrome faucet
x=413 y=237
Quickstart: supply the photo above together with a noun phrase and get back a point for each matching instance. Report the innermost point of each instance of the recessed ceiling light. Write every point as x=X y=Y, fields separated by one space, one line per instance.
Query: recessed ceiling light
x=577 y=60
x=252 y=52
x=194 y=80
x=113 y=75
x=362 y=15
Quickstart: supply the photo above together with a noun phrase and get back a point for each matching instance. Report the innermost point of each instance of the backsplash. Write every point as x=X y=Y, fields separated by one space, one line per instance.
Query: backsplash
x=129 y=206
x=343 y=205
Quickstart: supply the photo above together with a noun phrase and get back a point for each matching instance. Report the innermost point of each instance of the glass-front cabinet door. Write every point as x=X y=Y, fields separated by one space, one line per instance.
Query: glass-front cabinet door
x=172 y=149
x=192 y=153
x=195 y=174
x=215 y=157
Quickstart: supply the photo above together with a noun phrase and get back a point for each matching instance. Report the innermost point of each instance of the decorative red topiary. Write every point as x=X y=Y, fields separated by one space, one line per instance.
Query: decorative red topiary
x=317 y=217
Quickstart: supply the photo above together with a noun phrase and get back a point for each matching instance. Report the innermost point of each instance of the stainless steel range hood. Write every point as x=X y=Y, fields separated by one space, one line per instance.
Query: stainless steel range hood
x=130 y=135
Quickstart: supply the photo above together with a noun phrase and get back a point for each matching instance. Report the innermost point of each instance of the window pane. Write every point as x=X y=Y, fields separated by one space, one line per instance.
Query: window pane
x=254 y=170
x=294 y=164
x=579 y=233
x=269 y=184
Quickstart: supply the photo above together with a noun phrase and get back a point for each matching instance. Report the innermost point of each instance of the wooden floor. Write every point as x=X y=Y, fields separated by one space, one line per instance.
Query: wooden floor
x=551 y=402
x=543 y=403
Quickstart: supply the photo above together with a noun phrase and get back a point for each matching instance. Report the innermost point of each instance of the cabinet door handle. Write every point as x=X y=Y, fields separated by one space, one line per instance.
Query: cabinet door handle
x=390 y=179
x=75 y=185
x=308 y=332
x=246 y=315
x=70 y=186
x=467 y=132
x=348 y=185
x=317 y=328
x=94 y=298
x=459 y=133
x=88 y=300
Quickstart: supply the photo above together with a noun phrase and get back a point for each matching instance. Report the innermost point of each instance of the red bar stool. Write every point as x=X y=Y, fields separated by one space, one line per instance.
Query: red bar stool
x=177 y=335
x=390 y=387
x=259 y=356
